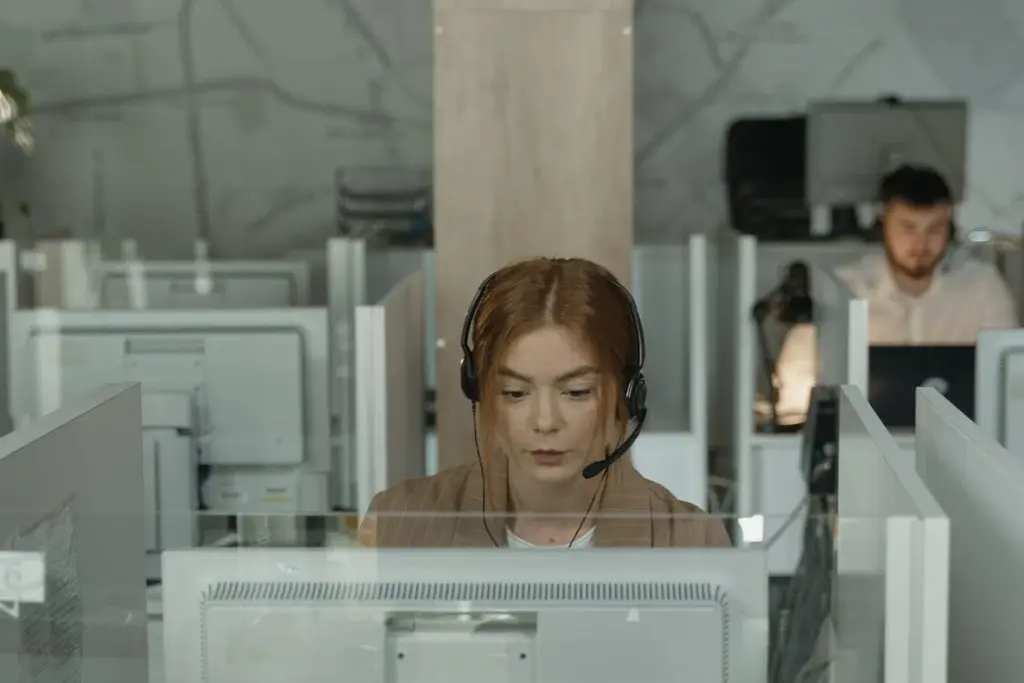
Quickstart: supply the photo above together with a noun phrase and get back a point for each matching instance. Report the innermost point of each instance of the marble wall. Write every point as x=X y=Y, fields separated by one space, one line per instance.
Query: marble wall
x=165 y=120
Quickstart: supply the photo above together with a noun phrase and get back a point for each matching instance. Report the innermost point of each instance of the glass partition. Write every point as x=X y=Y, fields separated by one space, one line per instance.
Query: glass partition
x=255 y=609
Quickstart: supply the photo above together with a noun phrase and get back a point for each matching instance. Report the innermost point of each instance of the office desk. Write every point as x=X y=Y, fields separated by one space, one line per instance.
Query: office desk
x=779 y=489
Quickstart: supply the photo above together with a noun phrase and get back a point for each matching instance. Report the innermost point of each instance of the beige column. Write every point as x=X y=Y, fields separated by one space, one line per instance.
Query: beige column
x=533 y=155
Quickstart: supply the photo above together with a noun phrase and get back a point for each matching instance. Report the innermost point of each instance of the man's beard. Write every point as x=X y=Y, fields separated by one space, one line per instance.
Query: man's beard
x=913 y=272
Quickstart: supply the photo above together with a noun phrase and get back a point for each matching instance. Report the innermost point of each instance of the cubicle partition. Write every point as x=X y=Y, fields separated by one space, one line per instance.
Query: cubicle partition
x=981 y=487
x=11 y=274
x=769 y=480
x=733 y=425
x=998 y=383
x=360 y=273
x=892 y=560
x=390 y=389
x=61 y=273
x=841 y=324
x=346 y=289
x=673 y=293
x=10 y=266
x=72 y=581
x=72 y=274
x=200 y=284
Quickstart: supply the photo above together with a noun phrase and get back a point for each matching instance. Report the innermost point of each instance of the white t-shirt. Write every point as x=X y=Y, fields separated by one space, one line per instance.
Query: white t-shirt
x=959 y=304
x=584 y=541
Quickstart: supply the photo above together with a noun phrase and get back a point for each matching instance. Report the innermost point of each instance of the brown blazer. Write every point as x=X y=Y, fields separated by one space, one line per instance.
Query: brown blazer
x=445 y=511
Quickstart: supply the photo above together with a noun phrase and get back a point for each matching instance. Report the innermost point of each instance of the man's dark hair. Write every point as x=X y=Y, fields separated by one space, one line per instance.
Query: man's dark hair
x=915 y=185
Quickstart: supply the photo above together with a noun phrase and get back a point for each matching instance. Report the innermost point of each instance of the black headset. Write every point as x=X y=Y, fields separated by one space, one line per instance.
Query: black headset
x=634 y=386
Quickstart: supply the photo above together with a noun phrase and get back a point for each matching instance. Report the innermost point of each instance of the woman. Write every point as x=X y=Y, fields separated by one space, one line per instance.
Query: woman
x=555 y=378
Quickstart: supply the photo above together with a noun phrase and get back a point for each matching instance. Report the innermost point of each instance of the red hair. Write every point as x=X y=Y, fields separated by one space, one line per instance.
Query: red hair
x=575 y=294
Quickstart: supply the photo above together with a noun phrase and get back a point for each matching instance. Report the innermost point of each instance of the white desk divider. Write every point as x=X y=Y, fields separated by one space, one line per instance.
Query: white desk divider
x=71 y=490
x=998 y=377
x=841 y=321
x=10 y=264
x=346 y=289
x=62 y=273
x=981 y=487
x=10 y=267
x=736 y=370
x=676 y=459
x=892 y=560
x=390 y=392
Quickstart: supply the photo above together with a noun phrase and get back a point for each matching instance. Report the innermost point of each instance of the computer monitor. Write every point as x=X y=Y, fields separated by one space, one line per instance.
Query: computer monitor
x=395 y=616
x=72 y=507
x=998 y=403
x=235 y=417
x=851 y=145
x=895 y=373
x=187 y=285
x=980 y=486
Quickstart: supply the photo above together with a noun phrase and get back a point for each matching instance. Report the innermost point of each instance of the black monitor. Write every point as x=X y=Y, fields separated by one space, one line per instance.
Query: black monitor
x=895 y=373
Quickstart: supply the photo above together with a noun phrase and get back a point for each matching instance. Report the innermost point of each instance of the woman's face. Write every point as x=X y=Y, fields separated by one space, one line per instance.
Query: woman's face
x=549 y=415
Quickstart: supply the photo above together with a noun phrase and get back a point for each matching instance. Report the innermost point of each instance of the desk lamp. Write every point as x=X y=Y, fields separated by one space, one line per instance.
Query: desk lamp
x=789 y=303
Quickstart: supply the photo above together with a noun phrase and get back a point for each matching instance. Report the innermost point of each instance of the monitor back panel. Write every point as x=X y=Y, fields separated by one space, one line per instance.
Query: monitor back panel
x=255 y=634
x=245 y=388
x=465 y=614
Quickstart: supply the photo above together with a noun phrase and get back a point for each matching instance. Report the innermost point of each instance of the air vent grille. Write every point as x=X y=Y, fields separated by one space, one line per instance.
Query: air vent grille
x=504 y=592
x=527 y=594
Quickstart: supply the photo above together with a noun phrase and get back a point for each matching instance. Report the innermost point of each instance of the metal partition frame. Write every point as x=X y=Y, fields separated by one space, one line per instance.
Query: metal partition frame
x=893 y=555
x=390 y=389
x=981 y=486
x=71 y=487
x=700 y=333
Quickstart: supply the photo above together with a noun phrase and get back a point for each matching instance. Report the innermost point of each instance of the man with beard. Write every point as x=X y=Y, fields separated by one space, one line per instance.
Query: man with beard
x=914 y=297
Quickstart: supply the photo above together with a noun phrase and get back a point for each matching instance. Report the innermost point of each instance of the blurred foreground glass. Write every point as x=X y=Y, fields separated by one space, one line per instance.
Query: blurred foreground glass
x=306 y=607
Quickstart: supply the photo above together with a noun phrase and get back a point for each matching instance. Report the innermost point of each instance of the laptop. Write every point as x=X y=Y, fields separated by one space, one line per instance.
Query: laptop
x=895 y=373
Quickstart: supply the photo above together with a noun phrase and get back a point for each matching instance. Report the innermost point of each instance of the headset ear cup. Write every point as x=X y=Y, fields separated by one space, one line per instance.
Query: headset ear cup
x=635 y=395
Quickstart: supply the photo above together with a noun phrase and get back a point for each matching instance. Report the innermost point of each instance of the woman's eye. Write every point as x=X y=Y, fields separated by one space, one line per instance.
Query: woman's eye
x=579 y=393
x=513 y=394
